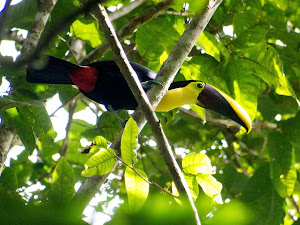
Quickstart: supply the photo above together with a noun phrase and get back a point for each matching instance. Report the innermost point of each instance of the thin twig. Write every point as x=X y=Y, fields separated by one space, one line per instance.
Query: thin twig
x=225 y=123
x=64 y=147
x=184 y=14
x=145 y=179
x=125 y=10
x=66 y=103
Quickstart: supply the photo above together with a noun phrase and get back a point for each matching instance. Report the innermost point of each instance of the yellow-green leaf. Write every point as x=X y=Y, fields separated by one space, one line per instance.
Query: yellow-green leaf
x=193 y=185
x=100 y=163
x=87 y=30
x=209 y=43
x=267 y=64
x=100 y=142
x=176 y=193
x=128 y=142
x=137 y=188
x=197 y=163
x=209 y=184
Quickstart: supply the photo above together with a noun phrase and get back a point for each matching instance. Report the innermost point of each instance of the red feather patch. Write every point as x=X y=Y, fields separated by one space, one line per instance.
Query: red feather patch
x=85 y=78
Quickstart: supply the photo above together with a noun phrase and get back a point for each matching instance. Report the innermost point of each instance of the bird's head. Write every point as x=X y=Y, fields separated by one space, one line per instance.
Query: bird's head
x=209 y=97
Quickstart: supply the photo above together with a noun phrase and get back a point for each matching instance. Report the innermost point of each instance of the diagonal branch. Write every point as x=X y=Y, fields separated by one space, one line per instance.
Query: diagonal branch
x=6 y=139
x=142 y=99
x=41 y=18
x=166 y=74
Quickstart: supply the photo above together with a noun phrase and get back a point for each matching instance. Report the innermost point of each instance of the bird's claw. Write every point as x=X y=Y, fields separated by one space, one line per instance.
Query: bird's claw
x=148 y=83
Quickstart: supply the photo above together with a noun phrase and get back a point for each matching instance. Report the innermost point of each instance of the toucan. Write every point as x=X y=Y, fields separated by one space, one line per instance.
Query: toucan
x=103 y=82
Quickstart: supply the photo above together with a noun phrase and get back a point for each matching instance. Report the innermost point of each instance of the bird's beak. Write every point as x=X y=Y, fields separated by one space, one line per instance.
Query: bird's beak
x=217 y=101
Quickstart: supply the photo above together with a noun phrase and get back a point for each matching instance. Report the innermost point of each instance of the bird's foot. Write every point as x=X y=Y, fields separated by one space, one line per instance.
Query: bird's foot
x=123 y=123
x=147 y=84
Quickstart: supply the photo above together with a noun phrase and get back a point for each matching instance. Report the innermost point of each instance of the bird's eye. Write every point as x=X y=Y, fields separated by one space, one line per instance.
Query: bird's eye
x=199 y=85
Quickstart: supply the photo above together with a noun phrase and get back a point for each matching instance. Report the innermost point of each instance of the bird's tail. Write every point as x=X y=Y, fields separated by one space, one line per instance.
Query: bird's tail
x=50 y=70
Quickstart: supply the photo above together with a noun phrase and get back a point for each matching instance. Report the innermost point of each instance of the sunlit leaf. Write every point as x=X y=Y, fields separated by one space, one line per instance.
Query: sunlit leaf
x=100 y=142
x=197 y=163
x=268 y=66
x=209 y=43
x=209 y=184
x=193 y=185
x=100 y=163
x=200 y=111
x=128 y=142
x=87 y=30
x=137 y=188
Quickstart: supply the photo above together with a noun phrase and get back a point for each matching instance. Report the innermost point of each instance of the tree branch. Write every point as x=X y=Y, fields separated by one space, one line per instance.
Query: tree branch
x=170 y=68
x=225 y=123
x=41 y=18
x=6 y=139
x=64 y=147
x=143 y=101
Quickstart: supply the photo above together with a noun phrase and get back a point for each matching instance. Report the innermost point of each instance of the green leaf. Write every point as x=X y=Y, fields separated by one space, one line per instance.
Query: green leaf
x=137 y=188
x=197 y=163
x=193 y=185
x=262 y=198
x=249 y=30
x=108 y=125
x=265 y=62
x=209 y=44
x=128 y=142
x=9 y=179
x=151 y=38
x=62 y=187
x=291 y=128
x=200 y=111
x=205 y=68
x=233 y=182
x=209 y=184
x=6 y=103
x=88 y=31
x=100 y=142
x=243 y=84
x=282 y=170
x=100 y=163
x=40 y=121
